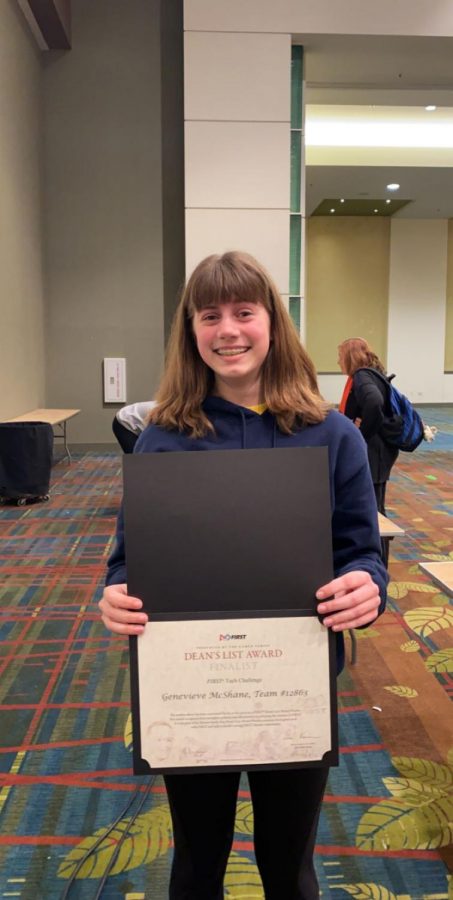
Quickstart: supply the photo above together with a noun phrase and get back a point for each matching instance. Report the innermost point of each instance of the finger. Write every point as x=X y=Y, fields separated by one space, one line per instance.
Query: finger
x=350 y=604
x=115 y=588
x=123 y=628
x=347 y=582
x=349 y=599
x=124 y=601
x=354 y=617
x=349 y=611
x=331 y=605
x=323 y=609
x=118 y=614
x=359 y=622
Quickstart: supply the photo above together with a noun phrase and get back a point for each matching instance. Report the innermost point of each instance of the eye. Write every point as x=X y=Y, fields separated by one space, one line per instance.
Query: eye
x=209 y=317
x=244 y=313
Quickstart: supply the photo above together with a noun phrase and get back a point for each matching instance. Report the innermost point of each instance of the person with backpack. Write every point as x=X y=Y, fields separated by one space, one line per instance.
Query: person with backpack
x=365 y=401
x=237 y=377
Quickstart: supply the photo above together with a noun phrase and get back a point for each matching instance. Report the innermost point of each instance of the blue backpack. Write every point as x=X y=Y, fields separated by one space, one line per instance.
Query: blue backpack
x=403 y=428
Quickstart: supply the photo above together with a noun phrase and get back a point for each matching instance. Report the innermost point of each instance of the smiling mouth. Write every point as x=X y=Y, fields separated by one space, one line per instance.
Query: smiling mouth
x=231 y=351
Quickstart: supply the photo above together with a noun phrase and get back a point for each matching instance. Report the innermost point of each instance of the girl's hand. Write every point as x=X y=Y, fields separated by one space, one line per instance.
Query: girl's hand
x=120 y=612
x=355 y=601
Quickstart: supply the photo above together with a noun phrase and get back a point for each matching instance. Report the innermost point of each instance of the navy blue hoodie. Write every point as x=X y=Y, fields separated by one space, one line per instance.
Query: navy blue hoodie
x=355 y=532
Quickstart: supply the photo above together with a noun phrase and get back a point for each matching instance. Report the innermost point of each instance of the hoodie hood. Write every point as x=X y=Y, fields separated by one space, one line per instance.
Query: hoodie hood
x=241 y=424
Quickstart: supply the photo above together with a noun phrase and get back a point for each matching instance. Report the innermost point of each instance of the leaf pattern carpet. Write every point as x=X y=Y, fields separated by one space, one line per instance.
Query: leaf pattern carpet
x=65 y=766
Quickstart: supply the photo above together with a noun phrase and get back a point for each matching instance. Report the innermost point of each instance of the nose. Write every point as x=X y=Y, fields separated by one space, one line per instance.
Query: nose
x=228 y=326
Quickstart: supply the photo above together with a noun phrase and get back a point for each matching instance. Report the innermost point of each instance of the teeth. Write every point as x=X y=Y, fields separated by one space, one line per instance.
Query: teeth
x=234 y=352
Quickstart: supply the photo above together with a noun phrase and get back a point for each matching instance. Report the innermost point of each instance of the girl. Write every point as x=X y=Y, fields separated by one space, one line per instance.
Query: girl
x=236 y=375
x=364 y=401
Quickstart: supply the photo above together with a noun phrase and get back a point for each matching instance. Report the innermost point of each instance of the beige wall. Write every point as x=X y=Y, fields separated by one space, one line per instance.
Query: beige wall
x=22 y=364
x=449 y=310
x=417 y=300
x=103 y=210
x=347 y=285
x=408 y=321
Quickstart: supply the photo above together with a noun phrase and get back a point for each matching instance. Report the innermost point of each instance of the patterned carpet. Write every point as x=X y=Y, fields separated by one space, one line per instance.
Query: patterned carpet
x=387 y=822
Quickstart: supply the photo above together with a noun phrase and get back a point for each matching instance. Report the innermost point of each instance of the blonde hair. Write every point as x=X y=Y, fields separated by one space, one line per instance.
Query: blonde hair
x=289 y=380
x=357 y=354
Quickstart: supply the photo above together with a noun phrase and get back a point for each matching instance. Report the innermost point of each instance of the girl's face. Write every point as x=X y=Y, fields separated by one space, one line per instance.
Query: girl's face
x=233 y=339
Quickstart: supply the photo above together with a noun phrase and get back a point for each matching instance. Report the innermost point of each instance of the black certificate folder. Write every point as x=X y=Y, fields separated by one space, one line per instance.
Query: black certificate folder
x=228 y=535
x=228 y=530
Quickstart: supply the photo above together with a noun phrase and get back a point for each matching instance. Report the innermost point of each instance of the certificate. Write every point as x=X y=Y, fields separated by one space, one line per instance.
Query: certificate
x=227 y=549
x=235 y=693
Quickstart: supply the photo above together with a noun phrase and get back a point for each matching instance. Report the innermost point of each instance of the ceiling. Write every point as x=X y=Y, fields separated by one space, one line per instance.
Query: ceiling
x=358 y=206
x=430 y=191
x=365 y=106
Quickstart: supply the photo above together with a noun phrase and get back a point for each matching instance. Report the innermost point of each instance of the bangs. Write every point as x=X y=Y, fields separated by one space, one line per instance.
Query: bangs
x=219 y=279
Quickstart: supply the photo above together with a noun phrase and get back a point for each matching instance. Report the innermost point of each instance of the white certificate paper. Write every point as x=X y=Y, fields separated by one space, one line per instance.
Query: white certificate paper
x=234 y=692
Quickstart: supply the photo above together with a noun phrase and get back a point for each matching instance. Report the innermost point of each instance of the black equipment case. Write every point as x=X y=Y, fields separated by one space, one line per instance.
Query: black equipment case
x=26 y=450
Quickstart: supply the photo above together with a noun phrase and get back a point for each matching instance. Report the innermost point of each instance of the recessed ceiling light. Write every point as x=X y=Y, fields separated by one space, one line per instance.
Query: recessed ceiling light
x=375 y=210
x=430 y=108
x=332 y=210
x=342 y=200
x=388 y=201
x=393 y=186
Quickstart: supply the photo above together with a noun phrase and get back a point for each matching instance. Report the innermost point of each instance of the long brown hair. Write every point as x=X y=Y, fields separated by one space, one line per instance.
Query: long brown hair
x=357 y=354
x=290 y=384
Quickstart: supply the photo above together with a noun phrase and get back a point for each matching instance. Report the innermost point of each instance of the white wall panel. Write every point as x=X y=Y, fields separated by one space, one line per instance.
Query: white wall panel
x=237 y=77
x=405 y=17
x=263 y=233
x=237 y=164
x=331 y=387
x=417 y=298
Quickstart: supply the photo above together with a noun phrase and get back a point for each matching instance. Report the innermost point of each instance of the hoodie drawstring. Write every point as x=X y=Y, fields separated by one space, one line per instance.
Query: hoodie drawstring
x=244 y=431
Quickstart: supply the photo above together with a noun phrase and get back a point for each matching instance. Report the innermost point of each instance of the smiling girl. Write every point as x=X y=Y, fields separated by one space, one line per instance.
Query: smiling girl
x=237 y=376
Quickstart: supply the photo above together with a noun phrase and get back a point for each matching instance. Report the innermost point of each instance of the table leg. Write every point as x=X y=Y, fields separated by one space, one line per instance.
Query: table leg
x=62 y=434
x=66 y=442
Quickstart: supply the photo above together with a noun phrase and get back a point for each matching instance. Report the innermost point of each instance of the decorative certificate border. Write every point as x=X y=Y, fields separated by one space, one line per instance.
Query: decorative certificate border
x=226 y=691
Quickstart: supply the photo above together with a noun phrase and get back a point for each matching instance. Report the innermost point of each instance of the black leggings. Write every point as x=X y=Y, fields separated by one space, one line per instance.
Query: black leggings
x=286 y=807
